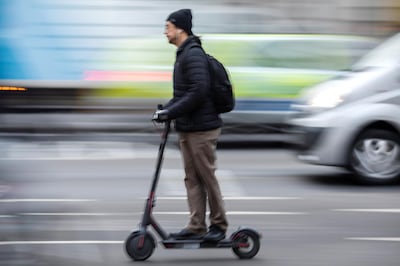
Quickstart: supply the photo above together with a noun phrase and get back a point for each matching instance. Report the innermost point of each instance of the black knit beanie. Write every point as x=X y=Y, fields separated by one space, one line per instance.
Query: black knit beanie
x=182 y=19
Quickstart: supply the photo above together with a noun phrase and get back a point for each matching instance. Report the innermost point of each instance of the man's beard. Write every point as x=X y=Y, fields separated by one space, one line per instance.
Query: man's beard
x=173 y=40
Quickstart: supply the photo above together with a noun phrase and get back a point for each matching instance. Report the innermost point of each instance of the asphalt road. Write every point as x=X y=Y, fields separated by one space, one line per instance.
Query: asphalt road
x=75 y=202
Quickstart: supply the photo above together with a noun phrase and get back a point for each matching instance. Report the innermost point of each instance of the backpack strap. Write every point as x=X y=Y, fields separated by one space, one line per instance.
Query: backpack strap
x=186 y=51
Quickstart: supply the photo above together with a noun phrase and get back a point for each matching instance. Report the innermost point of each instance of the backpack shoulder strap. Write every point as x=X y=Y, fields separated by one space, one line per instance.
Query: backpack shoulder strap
x=190 y=46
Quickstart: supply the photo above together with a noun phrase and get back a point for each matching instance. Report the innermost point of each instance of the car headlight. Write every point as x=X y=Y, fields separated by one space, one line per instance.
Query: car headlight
x=328 y=98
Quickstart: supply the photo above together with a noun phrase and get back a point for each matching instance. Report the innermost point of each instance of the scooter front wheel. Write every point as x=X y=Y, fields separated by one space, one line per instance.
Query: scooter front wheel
x=140 y=245
x=245 y=243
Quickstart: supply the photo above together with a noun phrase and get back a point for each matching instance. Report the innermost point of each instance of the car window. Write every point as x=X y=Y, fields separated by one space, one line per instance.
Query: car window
x=386 y=54
x=305 y=54
x=323 y=54
x=235 y=53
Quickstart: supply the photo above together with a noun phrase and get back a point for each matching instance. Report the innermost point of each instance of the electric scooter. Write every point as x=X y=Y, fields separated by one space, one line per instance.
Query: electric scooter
x=140 y=244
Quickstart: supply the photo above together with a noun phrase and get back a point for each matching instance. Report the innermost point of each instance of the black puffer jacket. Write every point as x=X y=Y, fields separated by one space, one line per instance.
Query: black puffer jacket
x=192 y=106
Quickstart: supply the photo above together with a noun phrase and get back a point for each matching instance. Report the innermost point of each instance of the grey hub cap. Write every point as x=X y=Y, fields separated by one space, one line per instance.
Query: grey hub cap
x=377 y=158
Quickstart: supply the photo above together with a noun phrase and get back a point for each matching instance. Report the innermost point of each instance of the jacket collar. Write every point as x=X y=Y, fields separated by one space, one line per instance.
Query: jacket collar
x=189 y=40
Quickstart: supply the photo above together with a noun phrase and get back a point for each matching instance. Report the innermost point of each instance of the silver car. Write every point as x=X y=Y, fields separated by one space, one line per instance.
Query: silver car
x=353 y=120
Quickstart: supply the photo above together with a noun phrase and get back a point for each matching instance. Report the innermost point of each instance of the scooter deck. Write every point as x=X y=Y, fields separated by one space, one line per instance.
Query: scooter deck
x=196 y=243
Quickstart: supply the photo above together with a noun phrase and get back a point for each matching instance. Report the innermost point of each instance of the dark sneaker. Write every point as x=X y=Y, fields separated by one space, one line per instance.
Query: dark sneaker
x=186 y=234
x=214 y=234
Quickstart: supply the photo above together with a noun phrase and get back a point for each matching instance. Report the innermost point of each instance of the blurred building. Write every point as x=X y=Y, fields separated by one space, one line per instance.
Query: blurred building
x=35 y=32
x=66 y=44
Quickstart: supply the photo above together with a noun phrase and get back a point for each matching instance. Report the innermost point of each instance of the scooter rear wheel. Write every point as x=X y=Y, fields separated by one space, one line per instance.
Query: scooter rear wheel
x=245 y=243
x=140 y=245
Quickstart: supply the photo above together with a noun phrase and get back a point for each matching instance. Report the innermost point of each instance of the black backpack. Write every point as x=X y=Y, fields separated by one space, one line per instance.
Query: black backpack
x=221 y=86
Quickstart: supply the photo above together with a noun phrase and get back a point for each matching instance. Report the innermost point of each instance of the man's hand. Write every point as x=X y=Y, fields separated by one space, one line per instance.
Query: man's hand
x=160 y=116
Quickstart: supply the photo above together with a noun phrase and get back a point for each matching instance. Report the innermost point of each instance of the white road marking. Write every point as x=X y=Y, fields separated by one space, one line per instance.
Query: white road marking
x=76 y=150
x=230 y=198
x=237 y=213
x=155 y=213
x=264 y=213
x=119 y=242
x=386 y=239
x=45 y=200
x=369 y=210
x=75 y=242
x=76 y=214
x=17 y=200
x=262 y=198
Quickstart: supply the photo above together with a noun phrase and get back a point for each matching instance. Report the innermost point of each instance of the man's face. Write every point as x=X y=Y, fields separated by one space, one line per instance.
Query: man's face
x=171 y=32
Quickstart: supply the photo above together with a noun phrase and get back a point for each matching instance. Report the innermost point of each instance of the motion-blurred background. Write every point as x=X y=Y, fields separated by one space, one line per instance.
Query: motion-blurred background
x=103 y=66
x=80 y=79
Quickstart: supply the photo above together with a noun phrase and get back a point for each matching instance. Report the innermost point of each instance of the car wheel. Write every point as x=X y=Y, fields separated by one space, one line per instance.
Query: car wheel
x=375 y=156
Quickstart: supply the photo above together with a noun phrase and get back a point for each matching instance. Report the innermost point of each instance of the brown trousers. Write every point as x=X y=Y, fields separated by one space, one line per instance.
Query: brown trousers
x=199 y=157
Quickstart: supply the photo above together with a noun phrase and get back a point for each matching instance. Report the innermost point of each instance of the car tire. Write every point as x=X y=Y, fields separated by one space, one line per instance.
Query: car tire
x=375 y=157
